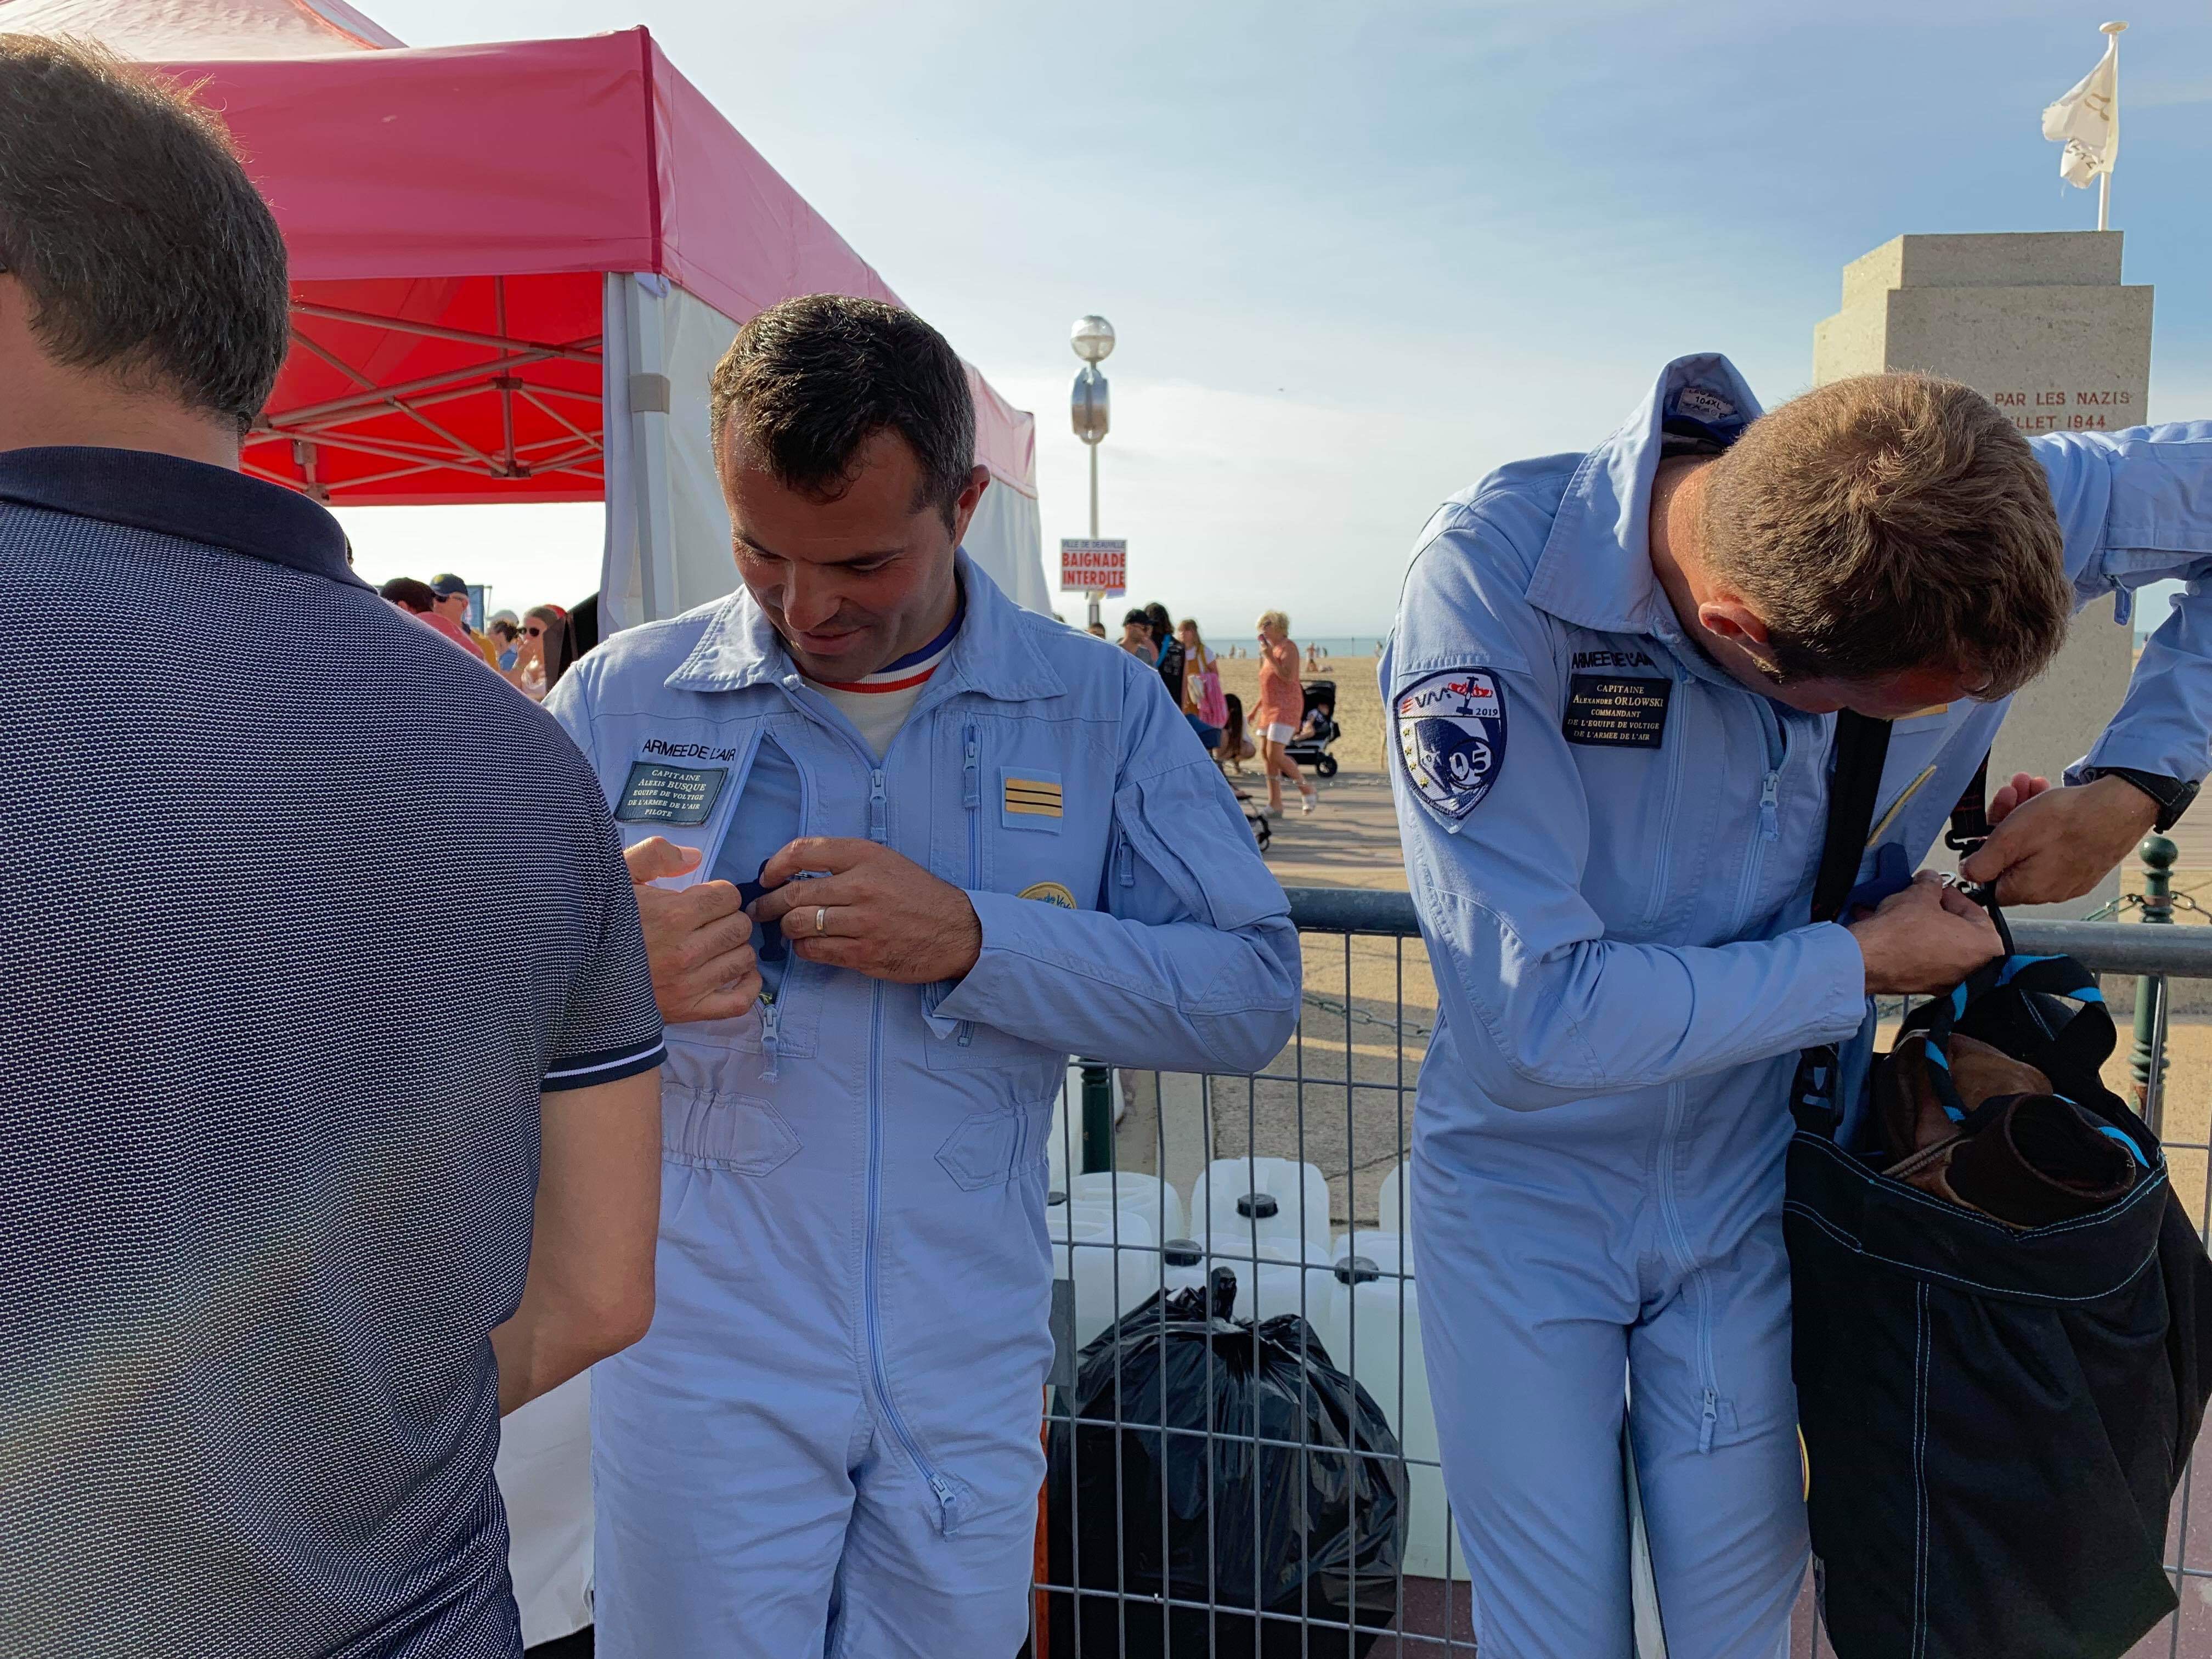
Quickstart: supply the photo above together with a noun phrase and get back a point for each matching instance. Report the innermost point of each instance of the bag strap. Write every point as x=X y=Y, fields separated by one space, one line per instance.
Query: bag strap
x=1970 y=818
x=1854 y=790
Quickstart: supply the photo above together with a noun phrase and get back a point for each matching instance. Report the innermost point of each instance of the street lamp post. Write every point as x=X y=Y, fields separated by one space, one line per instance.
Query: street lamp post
x=1092 y=340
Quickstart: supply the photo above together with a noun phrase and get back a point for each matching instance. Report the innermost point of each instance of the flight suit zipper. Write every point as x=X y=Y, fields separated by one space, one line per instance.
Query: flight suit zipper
x=771 y=1013
x=1768 y=830
x=947 y=1495
x=771 y=1022
x=971 y=796
x=1769 y=816
x=1655 y=906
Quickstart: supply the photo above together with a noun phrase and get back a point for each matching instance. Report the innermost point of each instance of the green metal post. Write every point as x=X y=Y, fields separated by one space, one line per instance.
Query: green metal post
x=2148 y=1061
x=1098 y=1117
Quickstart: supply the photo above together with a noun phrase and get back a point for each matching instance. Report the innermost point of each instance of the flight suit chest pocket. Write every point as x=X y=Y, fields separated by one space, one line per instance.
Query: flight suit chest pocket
x=1009 y=839
x=683 y=786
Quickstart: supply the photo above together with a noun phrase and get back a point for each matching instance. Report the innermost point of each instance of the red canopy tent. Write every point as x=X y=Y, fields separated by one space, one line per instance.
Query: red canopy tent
x=513 y=266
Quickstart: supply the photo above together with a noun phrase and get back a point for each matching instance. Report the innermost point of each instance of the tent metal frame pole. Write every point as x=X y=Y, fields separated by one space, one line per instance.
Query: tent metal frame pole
x=505 y=383
x=310 y=412
x=392 y=449
x=585 y=350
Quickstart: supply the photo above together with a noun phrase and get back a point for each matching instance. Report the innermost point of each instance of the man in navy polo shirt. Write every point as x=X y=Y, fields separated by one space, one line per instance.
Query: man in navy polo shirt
x=276 y=1115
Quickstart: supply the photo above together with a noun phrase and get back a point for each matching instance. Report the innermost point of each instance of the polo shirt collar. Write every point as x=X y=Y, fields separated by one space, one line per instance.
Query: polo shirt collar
x=1596 y=570
x=172 y=496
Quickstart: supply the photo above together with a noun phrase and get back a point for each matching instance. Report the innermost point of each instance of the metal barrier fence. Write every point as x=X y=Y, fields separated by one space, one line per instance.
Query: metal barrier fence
x=1293 y=1181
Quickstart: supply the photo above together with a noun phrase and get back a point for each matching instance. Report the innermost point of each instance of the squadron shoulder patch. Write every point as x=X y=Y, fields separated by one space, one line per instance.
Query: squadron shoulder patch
x=1451 y=738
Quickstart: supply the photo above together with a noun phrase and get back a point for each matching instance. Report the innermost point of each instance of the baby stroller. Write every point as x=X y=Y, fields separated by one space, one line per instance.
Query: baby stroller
x=1318 y=730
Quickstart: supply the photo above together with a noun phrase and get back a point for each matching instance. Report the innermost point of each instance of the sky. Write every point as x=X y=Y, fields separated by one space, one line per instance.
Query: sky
x=1357 y=256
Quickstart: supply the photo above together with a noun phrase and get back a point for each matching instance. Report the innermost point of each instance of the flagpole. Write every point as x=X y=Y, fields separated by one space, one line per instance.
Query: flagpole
x=2112 y=31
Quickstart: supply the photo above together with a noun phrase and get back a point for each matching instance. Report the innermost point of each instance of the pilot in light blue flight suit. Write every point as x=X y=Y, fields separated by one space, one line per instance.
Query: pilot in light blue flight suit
x=1611 y=842
x=828 y=1440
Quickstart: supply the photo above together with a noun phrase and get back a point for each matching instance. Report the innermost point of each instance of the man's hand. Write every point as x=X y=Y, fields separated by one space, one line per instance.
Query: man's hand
x=2050 y=845
x=1926 y=939
x=698 y=939
x=874 y=912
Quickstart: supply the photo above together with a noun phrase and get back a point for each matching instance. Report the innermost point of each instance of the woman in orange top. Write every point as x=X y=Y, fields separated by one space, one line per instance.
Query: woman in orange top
x=1282 y=708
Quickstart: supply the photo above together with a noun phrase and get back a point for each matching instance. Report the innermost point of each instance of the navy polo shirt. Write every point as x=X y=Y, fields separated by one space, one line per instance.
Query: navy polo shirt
x=299 y=910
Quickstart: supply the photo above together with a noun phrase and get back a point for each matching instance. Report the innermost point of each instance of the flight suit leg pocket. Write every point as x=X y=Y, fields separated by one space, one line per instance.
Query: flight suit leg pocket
x=740 y=1133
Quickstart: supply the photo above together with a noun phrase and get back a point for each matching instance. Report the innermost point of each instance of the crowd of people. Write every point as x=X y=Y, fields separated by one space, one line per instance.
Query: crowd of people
x=308 y=1176
x=531 y=652
x=1192 y=673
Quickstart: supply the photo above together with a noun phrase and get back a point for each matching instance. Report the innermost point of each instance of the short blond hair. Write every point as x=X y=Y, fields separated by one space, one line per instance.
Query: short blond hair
x=1274 y=619
x=1892 y=522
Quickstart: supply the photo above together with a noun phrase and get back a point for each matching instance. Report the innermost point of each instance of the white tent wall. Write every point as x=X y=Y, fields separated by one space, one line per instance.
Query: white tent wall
x=1005 y=538
x=668 y=536
x=667 y=532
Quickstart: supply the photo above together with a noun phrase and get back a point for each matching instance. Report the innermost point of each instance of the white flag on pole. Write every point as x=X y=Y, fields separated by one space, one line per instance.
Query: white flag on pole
x=2086 y=120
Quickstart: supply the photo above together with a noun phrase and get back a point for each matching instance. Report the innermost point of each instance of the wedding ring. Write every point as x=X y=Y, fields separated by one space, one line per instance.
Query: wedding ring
x=821 y=919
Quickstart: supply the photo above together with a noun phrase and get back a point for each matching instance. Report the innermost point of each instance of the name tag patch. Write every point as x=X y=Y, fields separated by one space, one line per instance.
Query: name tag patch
x=1617 y=711
x=655 y=793
x=1451 y=738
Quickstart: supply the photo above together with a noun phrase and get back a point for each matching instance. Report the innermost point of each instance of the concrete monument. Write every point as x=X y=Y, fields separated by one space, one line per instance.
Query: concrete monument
x=2043 y=324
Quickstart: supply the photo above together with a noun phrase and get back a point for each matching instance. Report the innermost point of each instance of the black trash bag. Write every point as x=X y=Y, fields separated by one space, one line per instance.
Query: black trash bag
x=1313 y=1526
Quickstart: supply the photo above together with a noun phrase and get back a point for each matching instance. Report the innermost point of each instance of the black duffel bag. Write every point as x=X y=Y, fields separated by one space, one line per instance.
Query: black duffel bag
x=1996 y=1414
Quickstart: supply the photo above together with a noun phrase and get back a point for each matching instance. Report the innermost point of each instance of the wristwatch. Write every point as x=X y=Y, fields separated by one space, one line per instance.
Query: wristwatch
x=2171 y=794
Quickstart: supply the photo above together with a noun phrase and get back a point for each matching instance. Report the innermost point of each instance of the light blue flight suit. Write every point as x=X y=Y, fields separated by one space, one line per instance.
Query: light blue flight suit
x=828 y=1440
x=1612 y=844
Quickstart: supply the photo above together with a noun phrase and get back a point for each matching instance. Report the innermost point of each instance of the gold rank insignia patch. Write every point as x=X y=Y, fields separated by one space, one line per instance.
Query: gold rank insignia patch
x=1049 y=892
x=1033 y=797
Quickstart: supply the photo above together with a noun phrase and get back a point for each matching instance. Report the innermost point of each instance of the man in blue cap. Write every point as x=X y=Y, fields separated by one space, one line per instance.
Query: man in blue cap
x=1613 y=691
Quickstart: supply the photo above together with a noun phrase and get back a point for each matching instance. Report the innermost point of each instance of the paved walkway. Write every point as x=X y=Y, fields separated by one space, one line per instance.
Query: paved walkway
x=1351 y=840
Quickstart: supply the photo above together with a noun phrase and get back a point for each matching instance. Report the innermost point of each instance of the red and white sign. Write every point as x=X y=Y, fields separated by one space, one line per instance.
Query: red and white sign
x=1088 y=566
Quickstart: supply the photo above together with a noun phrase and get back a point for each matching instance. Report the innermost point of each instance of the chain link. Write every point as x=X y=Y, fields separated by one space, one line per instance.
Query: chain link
x=1346 y=1011
x=2137 y=902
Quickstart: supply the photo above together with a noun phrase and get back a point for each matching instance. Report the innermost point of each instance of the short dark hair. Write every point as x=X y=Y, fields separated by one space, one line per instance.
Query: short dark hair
x=1138 y=617
x=406 y=590
x=810 y=380
x=127 y=215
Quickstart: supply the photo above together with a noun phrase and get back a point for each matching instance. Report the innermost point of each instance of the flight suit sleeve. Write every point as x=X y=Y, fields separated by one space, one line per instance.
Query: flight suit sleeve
x=1544 y=1008
x=2135 y=507
x=1188 y=962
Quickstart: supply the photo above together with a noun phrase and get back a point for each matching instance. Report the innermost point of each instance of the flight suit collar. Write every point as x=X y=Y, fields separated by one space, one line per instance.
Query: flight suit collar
x=1595 y=569
x=993 y=654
